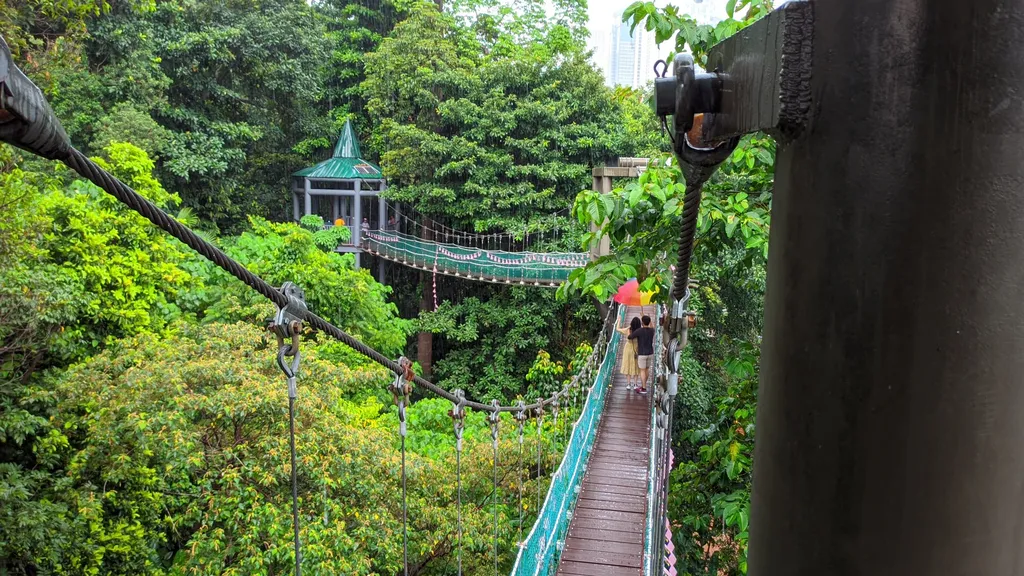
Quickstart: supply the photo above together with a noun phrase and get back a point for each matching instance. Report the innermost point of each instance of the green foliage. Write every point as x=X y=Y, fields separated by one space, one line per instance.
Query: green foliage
x=126 y=123
x=483 y=133
x=691 y=36
x=312 y=222
x=642 y=220
x=712 y=489
x=281 y=253
x=169 y=455
x=100 y=268
x=544 y=377
x=489 y=346
x=327 y=239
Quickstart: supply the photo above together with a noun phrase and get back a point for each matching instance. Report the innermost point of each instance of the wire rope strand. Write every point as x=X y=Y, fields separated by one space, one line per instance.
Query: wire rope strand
x=405 y=516
x=458 y=481
x=540 y=426
x=295 y=484
x=520 y=484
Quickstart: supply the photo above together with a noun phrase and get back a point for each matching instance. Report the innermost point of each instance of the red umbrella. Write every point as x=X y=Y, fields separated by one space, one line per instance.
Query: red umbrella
x=629 y=294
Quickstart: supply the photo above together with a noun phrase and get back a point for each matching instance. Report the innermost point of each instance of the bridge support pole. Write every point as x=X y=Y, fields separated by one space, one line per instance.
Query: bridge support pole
x=890 y=439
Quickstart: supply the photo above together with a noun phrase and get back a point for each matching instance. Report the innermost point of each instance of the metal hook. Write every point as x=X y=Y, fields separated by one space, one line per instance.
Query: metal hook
x=664 y=69
x=283 y=352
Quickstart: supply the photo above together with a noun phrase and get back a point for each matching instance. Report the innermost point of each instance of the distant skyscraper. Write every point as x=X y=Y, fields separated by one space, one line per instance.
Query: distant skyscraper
x=632 y=56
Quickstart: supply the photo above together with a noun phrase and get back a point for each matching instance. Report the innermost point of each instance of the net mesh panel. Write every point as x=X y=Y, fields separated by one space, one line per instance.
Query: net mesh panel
x=538 y=554
x=488 y=265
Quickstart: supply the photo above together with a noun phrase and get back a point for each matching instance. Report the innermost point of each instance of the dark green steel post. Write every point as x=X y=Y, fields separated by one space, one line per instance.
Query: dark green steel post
x=889 y=434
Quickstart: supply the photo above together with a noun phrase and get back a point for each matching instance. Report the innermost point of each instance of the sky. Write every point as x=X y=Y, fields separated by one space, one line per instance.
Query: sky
x=603 y=13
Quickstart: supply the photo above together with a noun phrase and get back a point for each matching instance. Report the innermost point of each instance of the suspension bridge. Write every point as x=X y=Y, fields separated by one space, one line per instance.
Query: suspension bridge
x=888 y=411
x=556 y=538
x=546 y=269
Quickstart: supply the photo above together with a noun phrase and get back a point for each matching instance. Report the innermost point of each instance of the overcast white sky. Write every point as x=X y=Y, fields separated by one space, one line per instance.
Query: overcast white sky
x=604 y=13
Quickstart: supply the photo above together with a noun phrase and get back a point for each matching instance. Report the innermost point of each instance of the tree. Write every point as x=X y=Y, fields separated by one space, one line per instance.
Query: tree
x=168 y=454
x=642 y=220
x=281 y=253
x=483 y=136
x=710 y=491
x=78 y=271
x=691 y=36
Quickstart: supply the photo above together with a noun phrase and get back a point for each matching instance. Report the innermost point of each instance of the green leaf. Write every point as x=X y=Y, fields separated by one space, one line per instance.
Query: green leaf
x=634 y=195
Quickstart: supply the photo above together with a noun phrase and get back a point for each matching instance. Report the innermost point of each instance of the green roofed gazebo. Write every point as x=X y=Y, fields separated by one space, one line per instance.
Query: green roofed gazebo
x=342 y=188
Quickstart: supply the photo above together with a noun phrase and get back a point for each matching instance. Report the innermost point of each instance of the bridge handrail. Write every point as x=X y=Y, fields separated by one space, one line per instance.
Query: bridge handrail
x=486 y=265
x=391 y=236
x=657 y=475
x=537 y=553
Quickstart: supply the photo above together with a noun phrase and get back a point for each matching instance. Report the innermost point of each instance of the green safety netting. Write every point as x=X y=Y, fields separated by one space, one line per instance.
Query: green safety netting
x=656 y=474
x=541 y=268
x=538 y=554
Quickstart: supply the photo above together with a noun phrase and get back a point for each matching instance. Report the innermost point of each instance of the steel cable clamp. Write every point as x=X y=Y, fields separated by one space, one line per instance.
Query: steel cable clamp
x=520 y=417
x=400 y=390
x=458 y=416
x=287 y=327
x=494 y=419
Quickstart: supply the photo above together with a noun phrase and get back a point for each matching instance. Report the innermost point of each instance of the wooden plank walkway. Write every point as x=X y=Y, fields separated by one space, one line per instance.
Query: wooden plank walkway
x=606 y=536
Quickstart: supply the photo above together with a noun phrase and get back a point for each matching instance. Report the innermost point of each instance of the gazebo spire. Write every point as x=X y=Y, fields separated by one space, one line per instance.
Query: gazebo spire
x=348 y=143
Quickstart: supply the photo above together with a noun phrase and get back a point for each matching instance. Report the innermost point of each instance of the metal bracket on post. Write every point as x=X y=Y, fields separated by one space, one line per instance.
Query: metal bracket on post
x=758 y=80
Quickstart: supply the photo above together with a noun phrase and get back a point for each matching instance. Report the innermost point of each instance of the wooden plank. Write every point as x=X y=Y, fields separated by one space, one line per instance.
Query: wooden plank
x=587 y=569
x=605 y=465
x=613 y=525
x=589 y=493
x=613 y=501
x=613 y=505
x=610 y=515
x=605 y=535
x=583 y=544
x=602 y=558
x=628 y=490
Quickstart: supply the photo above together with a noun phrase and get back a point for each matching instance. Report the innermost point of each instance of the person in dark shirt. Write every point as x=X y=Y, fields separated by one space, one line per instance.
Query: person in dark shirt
x=645 y=350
